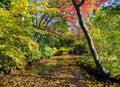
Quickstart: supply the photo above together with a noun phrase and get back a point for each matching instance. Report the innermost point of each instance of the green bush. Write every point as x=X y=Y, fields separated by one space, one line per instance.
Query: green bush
x=63 y=51
x=46 y=51
x=80 y=49
x=108 y=48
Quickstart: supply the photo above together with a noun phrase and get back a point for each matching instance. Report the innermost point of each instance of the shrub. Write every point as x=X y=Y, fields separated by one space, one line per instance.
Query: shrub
x=64 y=51
x=46 y=51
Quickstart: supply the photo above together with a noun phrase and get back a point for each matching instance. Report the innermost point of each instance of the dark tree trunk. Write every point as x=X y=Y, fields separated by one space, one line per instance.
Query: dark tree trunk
x=104 y=71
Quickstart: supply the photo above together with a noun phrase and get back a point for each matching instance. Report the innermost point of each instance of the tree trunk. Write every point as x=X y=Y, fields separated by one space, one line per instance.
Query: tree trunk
x=104 y=71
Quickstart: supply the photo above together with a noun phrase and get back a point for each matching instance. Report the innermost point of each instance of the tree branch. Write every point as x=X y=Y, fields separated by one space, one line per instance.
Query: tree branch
x=81 y=3
x=78 y=5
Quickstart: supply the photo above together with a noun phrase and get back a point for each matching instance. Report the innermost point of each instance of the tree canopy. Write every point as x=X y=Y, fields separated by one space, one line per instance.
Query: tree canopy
x=38 y=29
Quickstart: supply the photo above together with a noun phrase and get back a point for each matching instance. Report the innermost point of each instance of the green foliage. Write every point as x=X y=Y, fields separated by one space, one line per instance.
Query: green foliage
x=46 y=51
x=105 y=34
x=16 y=33
x=11 y=57
x=73 y=43
x=108 y=34
x=86 y=62
x=5 y=3
x=63 y=51
x=106 y=38
x=80 y=49
x=113 y=66
x=67 y=39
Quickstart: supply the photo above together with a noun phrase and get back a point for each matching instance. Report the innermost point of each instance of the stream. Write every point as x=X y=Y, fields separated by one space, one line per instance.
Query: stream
x=58 y=71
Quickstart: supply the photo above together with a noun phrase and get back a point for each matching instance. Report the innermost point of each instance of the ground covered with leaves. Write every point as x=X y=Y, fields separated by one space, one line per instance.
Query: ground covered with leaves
x=58 y=71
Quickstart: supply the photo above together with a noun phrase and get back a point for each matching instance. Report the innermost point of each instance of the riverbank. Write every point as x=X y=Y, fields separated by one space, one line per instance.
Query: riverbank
x=58 y=71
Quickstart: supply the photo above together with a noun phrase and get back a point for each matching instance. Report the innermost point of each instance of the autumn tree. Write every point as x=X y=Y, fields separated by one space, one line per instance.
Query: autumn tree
x=81 y=7
x=16 y=36
x=78 y=6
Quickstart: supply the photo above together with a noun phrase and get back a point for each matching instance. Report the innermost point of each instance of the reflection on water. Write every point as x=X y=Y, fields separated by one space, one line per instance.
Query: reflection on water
x=54 y=72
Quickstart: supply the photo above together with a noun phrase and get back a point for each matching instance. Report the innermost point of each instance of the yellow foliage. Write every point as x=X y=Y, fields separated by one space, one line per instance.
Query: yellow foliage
x=1 y=33
x=17 y=33
x=14 y=53
x=3 y=13
x=33 y=46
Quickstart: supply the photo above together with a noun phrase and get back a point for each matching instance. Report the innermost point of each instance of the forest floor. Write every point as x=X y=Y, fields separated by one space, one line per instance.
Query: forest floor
x=58 y=71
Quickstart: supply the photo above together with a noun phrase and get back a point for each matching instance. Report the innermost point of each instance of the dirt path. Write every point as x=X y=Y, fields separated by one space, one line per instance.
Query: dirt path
x=58 y=71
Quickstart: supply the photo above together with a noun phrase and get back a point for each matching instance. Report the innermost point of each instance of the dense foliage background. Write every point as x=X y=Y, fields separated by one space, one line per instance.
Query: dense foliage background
x=33 y=30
